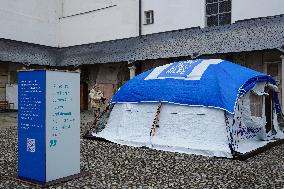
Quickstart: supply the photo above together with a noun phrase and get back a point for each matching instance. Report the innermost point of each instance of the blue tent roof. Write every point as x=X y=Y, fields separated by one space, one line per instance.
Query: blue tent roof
x=212 y=83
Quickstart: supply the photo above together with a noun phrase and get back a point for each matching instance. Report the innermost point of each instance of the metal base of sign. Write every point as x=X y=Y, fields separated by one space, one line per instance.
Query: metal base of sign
x=50 y=183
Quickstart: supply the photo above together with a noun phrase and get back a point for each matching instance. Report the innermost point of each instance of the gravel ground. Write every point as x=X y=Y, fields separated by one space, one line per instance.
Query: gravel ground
x=116 y=166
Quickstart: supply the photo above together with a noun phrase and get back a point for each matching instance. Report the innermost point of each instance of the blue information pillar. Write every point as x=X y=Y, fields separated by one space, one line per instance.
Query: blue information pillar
x=31 y=125
x=48 y=125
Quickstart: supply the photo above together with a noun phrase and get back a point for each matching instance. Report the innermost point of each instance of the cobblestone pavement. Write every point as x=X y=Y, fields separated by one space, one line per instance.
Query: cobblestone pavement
x=116 y=166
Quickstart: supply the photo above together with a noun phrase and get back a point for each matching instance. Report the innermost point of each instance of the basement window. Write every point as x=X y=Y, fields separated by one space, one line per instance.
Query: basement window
x=218 y=12
x=149 y=17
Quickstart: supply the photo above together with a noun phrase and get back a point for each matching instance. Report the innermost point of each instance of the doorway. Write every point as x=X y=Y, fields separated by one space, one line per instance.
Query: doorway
x=269 y=107
x=83 y=96
x=274 y=69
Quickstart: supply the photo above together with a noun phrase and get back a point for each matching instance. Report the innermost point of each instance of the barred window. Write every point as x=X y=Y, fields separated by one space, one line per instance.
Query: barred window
x=218 y=12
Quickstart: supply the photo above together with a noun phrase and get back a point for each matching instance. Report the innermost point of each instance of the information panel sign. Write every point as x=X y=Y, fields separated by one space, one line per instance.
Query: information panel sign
x=62 y=124
x=31 y=125
x=48 y=125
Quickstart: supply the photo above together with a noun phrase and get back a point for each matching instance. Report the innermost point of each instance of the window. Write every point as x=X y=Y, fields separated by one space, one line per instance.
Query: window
x=256 y=104
x=218 y=12
x=13 y=77
x=149 y=17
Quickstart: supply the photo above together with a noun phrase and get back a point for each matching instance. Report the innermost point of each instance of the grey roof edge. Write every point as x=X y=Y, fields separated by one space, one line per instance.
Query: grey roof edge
x=241 y=36
x=27 y=53
x=248 y=35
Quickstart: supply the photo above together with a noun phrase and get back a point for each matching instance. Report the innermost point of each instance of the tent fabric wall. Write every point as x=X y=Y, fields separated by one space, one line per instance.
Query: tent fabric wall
x=130 y=124
x=247 y=132
x=194 y=130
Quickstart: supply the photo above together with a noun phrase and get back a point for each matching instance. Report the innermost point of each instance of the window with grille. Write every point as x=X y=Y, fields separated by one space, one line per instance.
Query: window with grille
x=149 y=17
x=218 y=12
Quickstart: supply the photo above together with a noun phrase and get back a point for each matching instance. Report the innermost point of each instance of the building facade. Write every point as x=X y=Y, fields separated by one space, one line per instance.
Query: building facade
x=112 y=40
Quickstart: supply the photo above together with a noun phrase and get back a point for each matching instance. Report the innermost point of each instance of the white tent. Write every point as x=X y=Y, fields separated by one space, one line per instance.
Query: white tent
x=195 y=128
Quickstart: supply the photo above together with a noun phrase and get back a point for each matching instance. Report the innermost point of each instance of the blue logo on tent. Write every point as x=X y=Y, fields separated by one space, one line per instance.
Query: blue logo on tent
x=179 y=69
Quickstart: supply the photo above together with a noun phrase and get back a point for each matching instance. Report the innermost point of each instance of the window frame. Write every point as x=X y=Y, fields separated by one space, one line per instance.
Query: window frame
x=148 y=20
x=218 y=14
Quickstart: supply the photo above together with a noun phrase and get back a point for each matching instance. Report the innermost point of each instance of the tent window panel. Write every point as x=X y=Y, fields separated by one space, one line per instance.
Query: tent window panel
x=256 y=105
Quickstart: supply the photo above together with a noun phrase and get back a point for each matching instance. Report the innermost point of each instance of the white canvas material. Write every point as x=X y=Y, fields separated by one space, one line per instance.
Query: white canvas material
x=193 y=130
x=190 y=129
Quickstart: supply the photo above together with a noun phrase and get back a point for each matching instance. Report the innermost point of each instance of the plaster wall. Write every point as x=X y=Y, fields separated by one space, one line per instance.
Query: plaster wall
x=246 y=9
x=66 y=23
x=32 y=21
x=173 y=15
x=96 y=21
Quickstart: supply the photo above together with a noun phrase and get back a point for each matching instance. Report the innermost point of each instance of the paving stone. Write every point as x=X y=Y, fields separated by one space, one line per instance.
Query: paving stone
x=118 y=166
